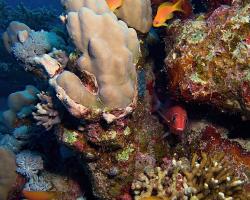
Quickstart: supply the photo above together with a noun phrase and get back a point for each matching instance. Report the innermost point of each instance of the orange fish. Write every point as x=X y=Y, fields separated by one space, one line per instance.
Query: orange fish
x=114 y=4
x=165 y=12
x=40 y=195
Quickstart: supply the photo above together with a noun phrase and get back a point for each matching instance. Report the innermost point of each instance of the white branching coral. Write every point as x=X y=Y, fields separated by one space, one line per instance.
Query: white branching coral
x=38 y=183
x=45 y=114
x=29 y=163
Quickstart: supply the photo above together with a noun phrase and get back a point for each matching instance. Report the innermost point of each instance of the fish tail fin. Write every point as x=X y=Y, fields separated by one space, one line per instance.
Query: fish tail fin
x=178 y=6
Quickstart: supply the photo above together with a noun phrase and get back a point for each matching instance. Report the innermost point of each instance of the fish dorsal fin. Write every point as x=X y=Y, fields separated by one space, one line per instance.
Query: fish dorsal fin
x=163 y=5
x=178 y=6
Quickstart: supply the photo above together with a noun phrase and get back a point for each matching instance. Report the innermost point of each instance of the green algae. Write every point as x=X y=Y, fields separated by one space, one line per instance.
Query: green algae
x=125 y=153
x=70 y=136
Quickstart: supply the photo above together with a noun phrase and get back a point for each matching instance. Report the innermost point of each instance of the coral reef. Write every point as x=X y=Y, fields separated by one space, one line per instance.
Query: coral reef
x=15 y=32
x=96 y=122
x=29 y=163
x=7 y=173
x=111 y=76
x=38 y=183
x=140 y=17
x=10 y=143
x=45 y=114
x=212 y=177
x=208 y=177
x=21 y=105
x=209 y=59
x=26 y=44
x=40 y=18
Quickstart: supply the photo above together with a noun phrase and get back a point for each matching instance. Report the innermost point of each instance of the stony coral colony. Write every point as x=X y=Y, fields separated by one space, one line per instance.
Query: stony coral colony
x=106 y=82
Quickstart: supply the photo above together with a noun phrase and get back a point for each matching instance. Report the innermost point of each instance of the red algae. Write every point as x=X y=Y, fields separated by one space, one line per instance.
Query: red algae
x=213 y=141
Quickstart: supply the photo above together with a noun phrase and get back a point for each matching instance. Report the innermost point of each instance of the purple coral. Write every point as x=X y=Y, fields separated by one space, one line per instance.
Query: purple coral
x=29 y=163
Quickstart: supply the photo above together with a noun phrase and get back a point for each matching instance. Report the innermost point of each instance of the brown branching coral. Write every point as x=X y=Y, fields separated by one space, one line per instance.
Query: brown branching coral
x=205 y=178
x=149 y=181
x=162 y=182
x=46 y=115
x=213 y=178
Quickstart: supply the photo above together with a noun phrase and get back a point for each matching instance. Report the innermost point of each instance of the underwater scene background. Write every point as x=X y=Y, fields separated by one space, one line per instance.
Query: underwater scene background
x=125 y=99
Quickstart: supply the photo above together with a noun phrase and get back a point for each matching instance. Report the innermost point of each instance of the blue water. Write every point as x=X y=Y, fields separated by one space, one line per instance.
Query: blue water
x=35 y=4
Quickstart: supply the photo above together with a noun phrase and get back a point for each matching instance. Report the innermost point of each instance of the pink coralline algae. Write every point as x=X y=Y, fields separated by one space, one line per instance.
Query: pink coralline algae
x=209 y=62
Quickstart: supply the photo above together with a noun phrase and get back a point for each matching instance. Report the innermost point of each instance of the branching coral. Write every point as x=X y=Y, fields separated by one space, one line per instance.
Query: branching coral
x=46 y=115
x=7 y=172
x=211 y=177
x=29 y=163
x=150 y=183
x=38 y=183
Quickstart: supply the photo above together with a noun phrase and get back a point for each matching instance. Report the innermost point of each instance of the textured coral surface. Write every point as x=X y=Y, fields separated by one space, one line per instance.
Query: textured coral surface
x=209 y=62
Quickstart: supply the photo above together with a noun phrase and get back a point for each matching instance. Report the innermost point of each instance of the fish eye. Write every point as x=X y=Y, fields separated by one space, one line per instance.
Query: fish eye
x=174 y=118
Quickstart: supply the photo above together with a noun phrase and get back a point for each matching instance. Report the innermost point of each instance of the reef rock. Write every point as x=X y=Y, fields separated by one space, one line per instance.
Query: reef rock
x=209 y=61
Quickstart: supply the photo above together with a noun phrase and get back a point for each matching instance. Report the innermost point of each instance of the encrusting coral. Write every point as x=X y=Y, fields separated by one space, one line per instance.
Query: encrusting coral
x=45 y=114
x=7 y=172
x=209 y=59
x=208 y=177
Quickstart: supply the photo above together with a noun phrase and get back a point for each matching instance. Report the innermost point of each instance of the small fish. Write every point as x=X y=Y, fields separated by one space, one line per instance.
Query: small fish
x=40 y=195
x=175 y=117
x=165 y=12
x=114 y=4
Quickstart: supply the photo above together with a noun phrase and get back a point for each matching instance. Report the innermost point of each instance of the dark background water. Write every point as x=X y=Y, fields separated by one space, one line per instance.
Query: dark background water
x=36 y=3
